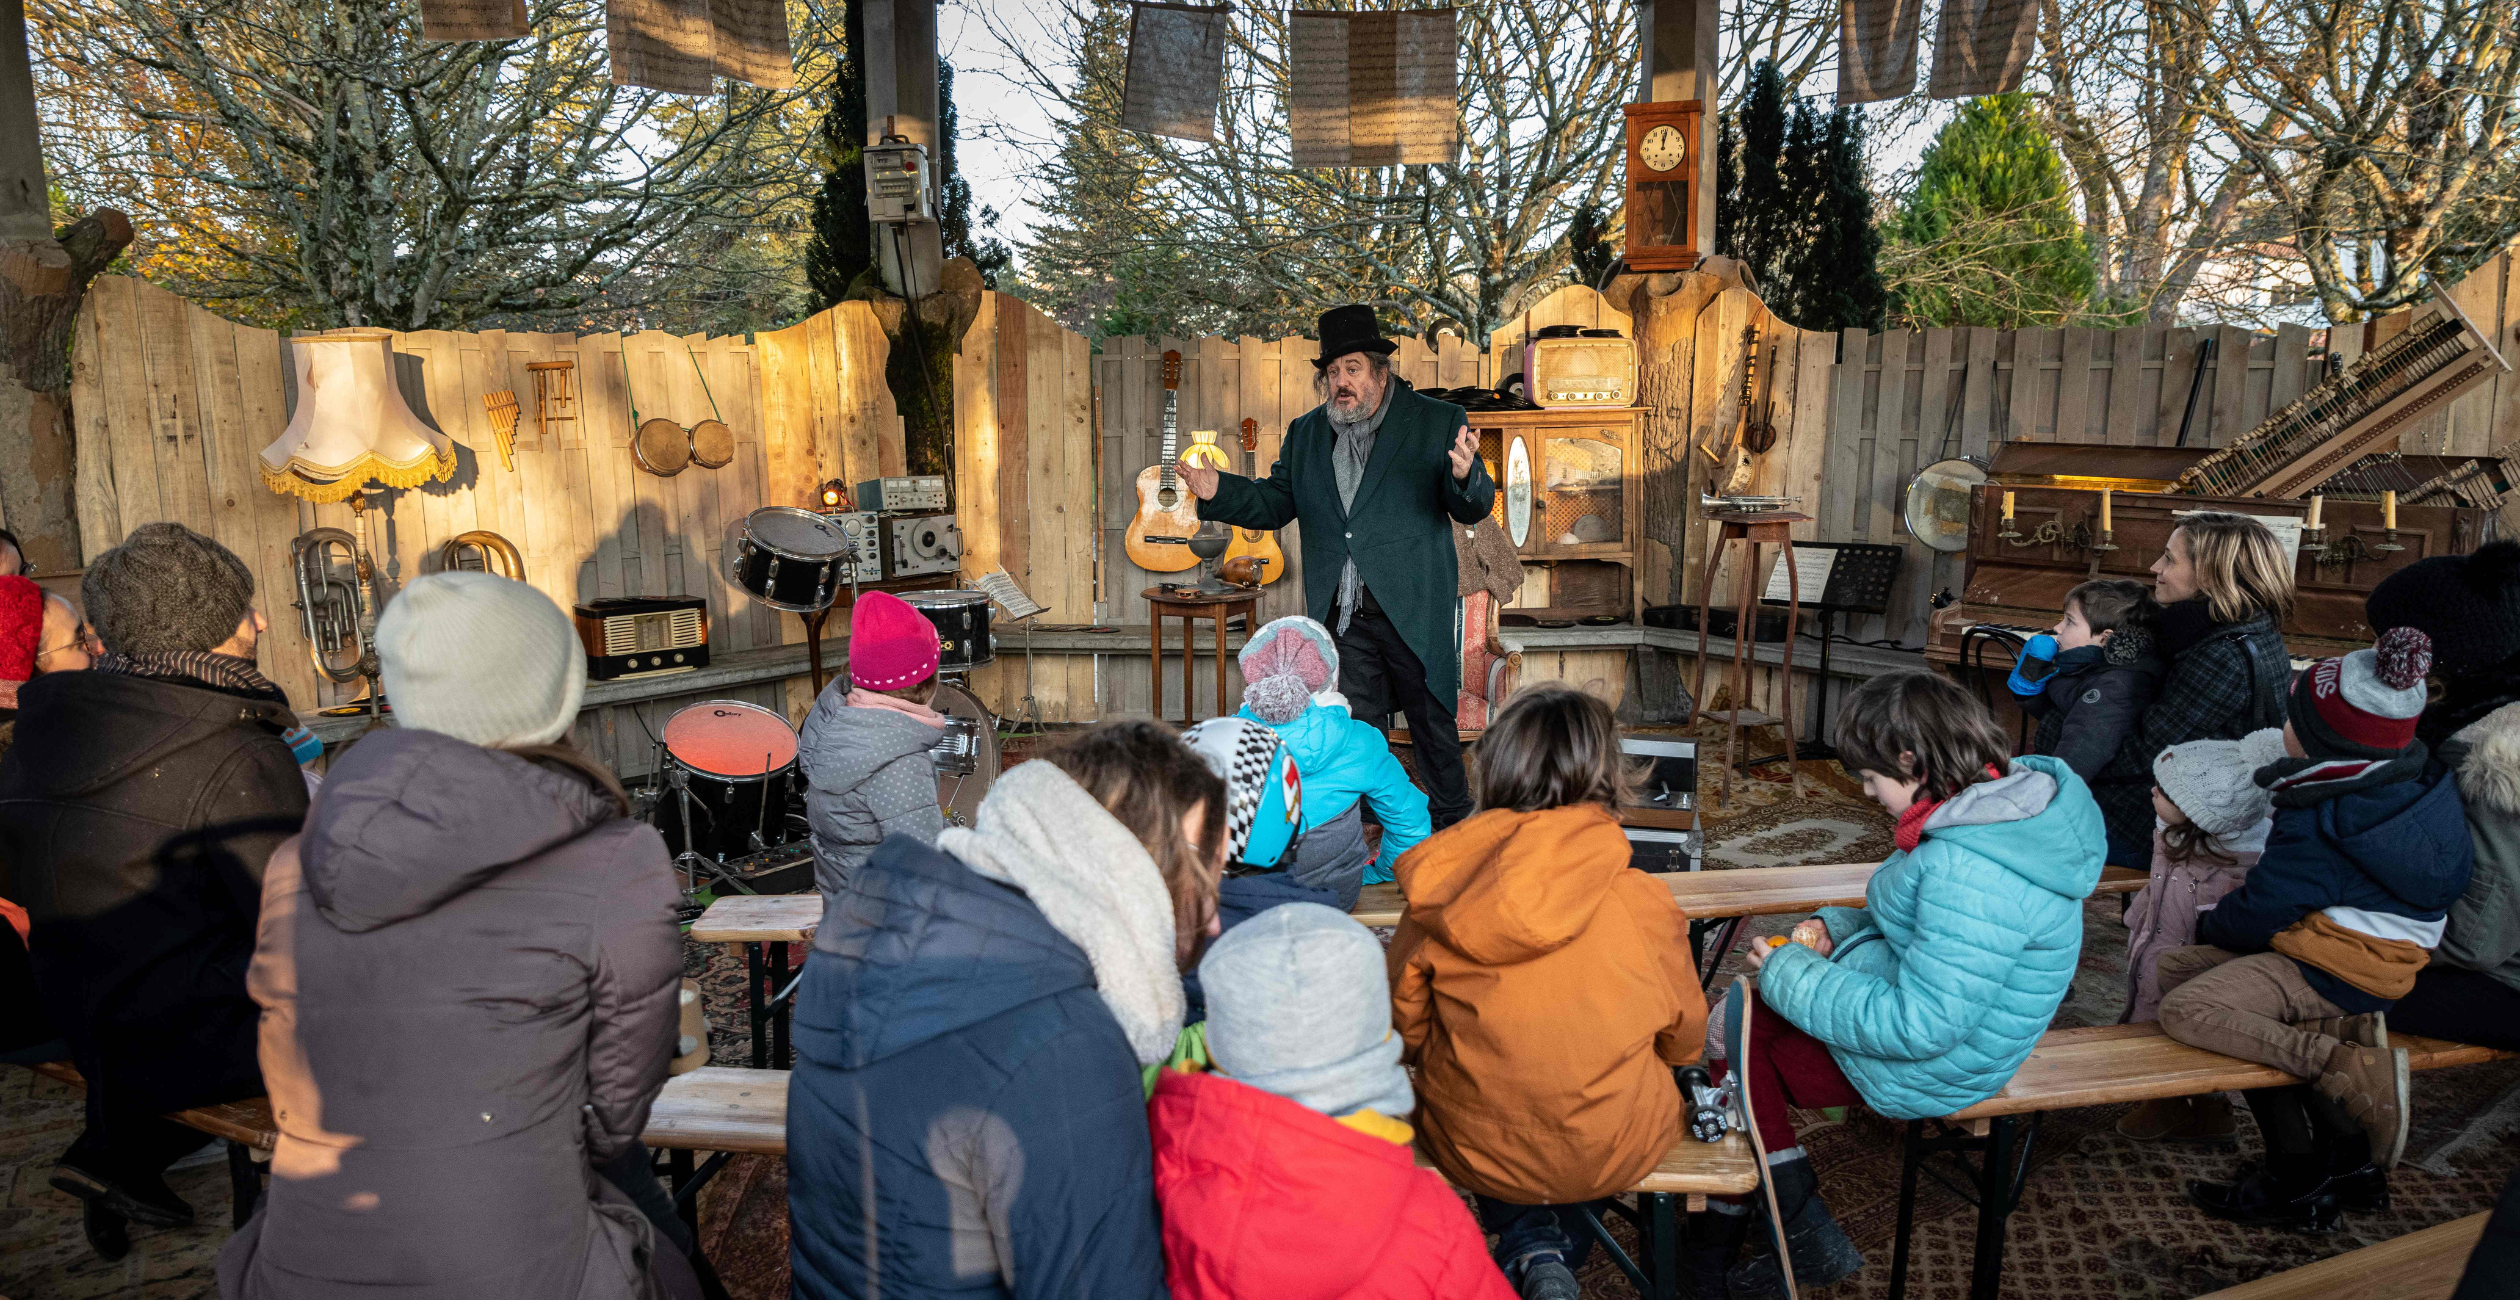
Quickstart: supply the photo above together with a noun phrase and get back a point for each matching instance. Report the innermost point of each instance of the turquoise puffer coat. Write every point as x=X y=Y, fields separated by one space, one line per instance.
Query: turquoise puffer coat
x=1342 y=761
x=1942 y=982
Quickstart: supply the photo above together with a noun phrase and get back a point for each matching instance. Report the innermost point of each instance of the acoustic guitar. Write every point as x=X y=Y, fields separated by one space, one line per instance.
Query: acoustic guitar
x=1166 y=510
x=1258 y=543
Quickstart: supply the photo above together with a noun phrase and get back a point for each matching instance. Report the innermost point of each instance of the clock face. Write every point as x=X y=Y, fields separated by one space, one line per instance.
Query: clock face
x=1663 y=148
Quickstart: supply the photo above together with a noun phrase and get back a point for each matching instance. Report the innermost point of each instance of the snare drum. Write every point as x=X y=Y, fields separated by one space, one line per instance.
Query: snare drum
x=661 y=447
x=738 y=763
x=788 y=559
x=962 y=627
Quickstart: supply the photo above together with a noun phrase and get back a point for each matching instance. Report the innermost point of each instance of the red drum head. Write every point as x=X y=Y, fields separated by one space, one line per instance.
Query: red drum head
x=730 y=738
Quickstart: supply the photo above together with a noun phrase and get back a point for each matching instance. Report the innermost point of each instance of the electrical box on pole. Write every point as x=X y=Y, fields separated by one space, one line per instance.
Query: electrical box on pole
x=898 y=187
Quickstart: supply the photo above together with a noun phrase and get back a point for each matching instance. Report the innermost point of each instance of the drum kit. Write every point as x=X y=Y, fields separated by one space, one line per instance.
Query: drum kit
x=728 y=794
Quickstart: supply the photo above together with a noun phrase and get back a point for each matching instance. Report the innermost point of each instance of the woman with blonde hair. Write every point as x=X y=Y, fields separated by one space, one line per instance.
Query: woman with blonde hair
x=2226 y=590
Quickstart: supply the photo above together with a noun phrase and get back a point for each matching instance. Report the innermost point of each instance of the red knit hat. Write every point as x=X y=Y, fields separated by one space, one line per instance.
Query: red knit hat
x=21 y=627
x=891 y=645
x=2363 y=705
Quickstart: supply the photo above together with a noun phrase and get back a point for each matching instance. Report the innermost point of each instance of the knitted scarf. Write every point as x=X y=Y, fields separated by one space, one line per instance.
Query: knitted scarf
x=226 y=674
x=1040 y=832
x=1910 y=831
x=1351 y=446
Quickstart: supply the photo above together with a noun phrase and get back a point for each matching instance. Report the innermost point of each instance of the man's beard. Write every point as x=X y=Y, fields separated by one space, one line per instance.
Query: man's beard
x=1356 y=411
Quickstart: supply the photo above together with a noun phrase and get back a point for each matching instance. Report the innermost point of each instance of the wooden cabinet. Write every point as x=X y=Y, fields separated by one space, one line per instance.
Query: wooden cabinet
x=1569 y=496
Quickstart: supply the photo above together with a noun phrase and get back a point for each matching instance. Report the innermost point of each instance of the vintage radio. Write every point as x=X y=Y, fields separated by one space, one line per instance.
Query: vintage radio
x=864 y=529
x=898 y=495
x=633 y=636
x=922 y=545
x=1575 y=372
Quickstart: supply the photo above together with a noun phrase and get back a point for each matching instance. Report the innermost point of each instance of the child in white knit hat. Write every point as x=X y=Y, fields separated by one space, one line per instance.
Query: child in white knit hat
x=2211 y=820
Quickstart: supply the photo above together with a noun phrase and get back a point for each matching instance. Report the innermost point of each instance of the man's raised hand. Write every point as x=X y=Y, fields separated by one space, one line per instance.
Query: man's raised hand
x=1201 y=478
x=1465 y=450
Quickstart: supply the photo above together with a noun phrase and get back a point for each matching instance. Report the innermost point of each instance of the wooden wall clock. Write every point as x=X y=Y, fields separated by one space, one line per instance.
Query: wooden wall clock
x=1663 y=148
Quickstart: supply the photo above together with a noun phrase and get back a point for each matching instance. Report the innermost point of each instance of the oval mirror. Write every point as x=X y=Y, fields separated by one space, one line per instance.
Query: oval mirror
x=1518 y=490
x=1938 y=503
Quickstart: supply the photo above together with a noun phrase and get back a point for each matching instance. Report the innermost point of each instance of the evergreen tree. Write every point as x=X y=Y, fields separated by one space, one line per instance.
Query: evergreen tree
x=1590 y=249
x=1840 y=286
x=1763 y=216
x=1727 y=182
x=843 y=246
x=1988 y=237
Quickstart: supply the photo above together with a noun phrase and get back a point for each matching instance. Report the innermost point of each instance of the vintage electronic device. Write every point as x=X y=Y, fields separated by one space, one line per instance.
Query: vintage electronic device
x=1667 y=796
x=1580 y=372
x=635 y=636
x=897 y=186
x=903 y=494
x=864 y=531
x=921 y=545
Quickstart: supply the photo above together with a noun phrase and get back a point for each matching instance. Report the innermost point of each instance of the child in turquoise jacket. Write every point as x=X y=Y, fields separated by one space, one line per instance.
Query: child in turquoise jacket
x=1290 y=676
x=1927 y=998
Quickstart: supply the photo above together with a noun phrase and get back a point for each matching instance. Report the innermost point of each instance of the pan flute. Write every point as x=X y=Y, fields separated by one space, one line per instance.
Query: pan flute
x=2362 y=408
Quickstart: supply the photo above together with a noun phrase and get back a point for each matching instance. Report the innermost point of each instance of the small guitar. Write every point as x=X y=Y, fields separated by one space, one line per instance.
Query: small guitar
x=1258 y=543
x=1165 y=507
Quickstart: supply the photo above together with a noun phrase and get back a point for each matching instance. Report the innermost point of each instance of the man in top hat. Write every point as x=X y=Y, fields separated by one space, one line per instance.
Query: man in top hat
x=1377 y=475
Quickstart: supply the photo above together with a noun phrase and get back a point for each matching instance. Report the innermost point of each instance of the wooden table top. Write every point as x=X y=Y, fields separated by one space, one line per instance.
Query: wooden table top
x=1744 y=891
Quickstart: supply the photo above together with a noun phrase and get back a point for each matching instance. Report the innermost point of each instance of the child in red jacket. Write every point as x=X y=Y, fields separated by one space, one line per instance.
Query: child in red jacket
x=1285 y=1172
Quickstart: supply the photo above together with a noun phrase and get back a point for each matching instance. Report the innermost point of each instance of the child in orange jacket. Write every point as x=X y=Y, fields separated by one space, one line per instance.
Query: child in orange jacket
x=1543 y=989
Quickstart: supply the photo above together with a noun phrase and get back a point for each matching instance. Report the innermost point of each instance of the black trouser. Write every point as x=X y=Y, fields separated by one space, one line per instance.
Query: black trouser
x=131 y=1151
x=2460 y=1005
x=1380 y=675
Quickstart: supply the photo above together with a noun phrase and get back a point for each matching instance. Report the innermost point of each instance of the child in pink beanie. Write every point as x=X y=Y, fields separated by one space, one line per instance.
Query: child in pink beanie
x=864 y=748
x=1290 y=674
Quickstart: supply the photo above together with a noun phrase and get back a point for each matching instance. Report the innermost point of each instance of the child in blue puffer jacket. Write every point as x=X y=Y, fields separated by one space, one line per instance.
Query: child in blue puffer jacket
x=1926 y=999
x=1290 y=673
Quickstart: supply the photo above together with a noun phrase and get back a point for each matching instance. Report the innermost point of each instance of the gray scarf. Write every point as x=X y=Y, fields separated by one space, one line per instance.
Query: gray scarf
x=1039 y=831
x=1351 y=446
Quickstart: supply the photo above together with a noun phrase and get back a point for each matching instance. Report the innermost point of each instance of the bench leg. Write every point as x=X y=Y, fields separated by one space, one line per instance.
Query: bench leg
x=244 y=1184
x=1726 y=932
x=1601 y=1236
x=1663 y=1245
x=755 y=1008
x=1998 y=1192
x=779 y=1057
x=1911 y=1163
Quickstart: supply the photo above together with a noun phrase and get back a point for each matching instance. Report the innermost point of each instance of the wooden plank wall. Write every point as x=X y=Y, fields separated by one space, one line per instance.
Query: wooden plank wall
x=173 y=403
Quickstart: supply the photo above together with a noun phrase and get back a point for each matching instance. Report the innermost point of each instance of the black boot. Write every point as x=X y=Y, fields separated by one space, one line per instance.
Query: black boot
x=2287 y=1192
x=141 y=1198
x=2360 y=1185
x=108 y=1233
x=1820 y=1248
x=1706 y=1253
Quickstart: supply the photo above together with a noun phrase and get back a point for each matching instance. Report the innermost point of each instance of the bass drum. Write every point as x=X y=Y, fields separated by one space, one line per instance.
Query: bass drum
x=966 y=755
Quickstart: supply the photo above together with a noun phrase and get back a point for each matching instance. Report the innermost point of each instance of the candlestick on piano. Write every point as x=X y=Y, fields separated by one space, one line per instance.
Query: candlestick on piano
x=2104 y=510
x=2388 y=511
x=2316 y=502
x=2008 y=507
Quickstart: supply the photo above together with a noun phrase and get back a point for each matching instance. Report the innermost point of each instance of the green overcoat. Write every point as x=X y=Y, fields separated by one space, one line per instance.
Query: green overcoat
x=1400 y=531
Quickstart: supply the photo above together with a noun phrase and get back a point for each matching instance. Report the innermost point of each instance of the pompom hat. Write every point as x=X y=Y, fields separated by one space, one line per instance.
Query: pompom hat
x=2363 y=705
x=1284 y=665
x=1264 y=794
x=2212 y=780
x=891 y=644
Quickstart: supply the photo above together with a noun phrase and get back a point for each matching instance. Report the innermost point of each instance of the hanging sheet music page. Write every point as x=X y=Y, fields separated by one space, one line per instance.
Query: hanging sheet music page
x=472 y=20
x=1176 y=69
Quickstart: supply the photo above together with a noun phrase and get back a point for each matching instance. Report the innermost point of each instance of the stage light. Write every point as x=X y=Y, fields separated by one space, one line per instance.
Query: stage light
x=834 y=495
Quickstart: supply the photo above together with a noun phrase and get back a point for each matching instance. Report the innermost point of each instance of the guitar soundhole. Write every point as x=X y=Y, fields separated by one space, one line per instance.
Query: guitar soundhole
x=1166 y=498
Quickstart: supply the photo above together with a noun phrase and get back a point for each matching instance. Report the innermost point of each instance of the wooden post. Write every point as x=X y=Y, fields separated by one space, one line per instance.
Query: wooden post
x=42 y=282
x=1681 y=63
x=901 y=98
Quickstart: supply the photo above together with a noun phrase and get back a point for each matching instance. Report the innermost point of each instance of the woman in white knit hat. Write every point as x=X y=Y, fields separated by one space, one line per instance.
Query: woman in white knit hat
x=2211 y=820
x=468 y=969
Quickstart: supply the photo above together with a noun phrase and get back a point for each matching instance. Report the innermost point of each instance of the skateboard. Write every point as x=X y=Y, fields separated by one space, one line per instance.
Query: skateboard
x=1735 y=1011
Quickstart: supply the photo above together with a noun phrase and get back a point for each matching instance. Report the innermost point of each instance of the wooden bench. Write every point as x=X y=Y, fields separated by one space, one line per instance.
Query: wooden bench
x=724 y=1110
x=246 y=1127
x=2098 y=1066
x=1715 y=902
x=2422 y=1265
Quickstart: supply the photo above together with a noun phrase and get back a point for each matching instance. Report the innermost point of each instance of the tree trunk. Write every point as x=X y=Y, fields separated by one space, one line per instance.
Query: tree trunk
x=42 y=283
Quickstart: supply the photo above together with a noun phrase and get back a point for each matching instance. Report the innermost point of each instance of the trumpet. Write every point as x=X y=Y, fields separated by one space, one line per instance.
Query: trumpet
x=331 y=601
x=485 y=551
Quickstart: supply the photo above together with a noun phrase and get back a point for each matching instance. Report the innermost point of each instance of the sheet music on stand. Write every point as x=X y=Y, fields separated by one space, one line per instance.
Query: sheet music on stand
x=1851 y=577
x=1000 y=587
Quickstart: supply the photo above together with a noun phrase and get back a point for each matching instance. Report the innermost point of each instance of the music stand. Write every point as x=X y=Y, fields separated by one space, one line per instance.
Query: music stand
x=1858 y=581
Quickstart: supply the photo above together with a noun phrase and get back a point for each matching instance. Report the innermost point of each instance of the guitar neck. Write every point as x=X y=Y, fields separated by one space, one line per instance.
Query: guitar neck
x=1172 y=403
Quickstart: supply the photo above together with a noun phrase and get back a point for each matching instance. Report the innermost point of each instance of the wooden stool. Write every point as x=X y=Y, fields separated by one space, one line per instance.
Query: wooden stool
x=1749 y=528
x=1161 y=605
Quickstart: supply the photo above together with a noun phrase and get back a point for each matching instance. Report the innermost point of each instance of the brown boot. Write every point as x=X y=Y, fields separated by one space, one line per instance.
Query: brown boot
x=2370 y=1085
x=2211 y=1121
x=2157 y=1120
x=2371 y=1029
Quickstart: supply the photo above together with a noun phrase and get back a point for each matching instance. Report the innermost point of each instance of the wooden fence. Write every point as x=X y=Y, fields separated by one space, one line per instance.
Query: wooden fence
x=173 y=403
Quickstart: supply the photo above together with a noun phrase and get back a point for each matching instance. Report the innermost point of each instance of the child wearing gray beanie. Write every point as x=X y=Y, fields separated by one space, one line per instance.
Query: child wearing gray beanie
x=481 y=658
x=1286 y=1170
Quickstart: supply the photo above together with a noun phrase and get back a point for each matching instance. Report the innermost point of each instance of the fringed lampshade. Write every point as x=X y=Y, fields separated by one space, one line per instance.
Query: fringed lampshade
x=351 y=426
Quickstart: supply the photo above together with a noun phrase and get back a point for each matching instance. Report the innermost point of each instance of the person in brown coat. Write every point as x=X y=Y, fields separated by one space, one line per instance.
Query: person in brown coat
x=1543 y=990
x=468 y=968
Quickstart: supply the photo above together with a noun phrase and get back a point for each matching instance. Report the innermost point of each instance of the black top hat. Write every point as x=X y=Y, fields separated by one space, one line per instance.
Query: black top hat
x=1350 y=329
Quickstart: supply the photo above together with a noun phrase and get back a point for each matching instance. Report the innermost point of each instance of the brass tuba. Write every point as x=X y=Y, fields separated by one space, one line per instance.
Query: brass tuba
x=326 y=561
x=487 y=552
